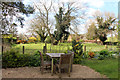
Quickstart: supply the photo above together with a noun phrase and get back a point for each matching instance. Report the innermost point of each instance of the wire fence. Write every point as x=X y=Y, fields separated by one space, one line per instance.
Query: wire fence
x=60 y=48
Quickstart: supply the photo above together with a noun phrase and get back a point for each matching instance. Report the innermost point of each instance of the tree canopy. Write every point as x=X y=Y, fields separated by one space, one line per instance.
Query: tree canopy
x=11 y=15
x=62 y=25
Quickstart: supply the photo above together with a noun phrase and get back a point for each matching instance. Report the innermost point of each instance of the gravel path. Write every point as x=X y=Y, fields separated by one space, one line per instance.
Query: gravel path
x=34 y=72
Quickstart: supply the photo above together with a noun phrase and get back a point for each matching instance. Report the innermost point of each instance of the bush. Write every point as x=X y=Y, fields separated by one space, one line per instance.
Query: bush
x=104 y=52
x=100 y=57
x=21 y=41
x=13 y=58
x=77 y=47
x=32 y=39
x=78 y=51
x=91 y=54
x=81 y=40
x=77 y=59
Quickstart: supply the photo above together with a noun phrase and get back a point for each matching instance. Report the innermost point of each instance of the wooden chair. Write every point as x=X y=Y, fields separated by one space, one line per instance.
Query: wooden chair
x=65 y=63
x=44 y=64
x=71 y=52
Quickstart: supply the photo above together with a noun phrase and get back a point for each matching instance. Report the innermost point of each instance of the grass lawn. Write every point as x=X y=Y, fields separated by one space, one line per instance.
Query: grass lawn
x=97 y=47
x=108 y=67
x=61 y=47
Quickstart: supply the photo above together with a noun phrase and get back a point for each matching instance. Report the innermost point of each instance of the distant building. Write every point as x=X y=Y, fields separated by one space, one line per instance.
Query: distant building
x=76 y=37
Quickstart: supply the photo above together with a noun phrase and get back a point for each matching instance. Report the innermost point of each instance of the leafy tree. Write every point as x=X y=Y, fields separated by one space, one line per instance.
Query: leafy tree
x=11 y=13
x=104 y=27
x=92 y=32
x=62 y=25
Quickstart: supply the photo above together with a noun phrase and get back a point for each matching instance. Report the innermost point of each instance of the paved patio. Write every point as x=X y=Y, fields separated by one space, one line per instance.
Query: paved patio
x=34 y=72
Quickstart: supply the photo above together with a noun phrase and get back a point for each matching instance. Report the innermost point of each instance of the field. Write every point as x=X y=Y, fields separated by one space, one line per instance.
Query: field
x=61 y=47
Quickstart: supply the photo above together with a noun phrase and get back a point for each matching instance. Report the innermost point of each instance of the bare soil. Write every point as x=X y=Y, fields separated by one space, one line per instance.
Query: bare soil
x=34 y=72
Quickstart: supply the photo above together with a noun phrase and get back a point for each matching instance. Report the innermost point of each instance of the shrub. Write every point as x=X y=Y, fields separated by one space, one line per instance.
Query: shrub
x=78 y=51
x=55 y=42
x=104 y=52
x=13 y=58
x=19 y=41
x=22 y=41
x=100 y=57
x=91 y=54
x=32 y=39
x=81 y=40
x=77 y=58
x=77 y=47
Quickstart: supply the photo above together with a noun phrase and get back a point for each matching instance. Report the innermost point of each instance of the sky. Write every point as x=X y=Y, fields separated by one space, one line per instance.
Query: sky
x=101 y=5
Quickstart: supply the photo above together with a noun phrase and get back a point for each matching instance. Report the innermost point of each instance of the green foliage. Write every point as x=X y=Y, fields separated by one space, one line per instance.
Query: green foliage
x=104 y=52
x=32 y=39
x=104 y=26
x=77 y=47
x=77 y=58
x=48 y=39
x=62 y=25
x=81 y=40
x=13 y=58
x=78 y=51
x=12 y=9
x=100 y=57
x=92 y=32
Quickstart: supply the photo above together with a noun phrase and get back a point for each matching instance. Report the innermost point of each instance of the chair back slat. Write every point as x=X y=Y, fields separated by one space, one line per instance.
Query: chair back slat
x=41 y=58
x=65 y=59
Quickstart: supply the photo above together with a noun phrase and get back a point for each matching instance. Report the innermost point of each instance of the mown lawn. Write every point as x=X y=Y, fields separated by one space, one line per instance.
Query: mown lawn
x=97 y=47
x=61 y=47
x=108 y=67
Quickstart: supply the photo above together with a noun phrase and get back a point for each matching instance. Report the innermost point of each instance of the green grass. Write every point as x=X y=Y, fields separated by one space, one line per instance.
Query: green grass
x=61 y=47
x=29 y=48
x=97 y=47
x=108 y=67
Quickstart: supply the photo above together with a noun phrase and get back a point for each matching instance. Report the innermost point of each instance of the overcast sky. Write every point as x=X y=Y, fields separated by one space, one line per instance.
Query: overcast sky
x=101 y=5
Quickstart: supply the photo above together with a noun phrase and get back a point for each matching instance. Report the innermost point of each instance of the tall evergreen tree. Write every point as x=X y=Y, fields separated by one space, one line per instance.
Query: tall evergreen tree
x=62 y=25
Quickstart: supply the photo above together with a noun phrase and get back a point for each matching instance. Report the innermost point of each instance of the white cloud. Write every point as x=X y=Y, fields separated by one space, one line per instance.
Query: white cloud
x=95 y=3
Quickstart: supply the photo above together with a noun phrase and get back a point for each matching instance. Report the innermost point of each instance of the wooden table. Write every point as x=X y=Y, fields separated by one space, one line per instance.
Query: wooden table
x=54 y=55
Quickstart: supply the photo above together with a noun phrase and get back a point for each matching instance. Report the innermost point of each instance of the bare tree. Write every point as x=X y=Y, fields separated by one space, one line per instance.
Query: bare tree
x=38 y=28
x=44 y=15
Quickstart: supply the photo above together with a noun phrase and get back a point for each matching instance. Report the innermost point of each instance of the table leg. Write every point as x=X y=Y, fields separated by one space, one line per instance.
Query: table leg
x=52 y=67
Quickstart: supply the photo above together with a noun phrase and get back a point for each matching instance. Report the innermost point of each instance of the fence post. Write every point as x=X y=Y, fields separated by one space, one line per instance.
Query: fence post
x=2 y=49
x=23 y=49
x=84 y=49
x=106 y=47
x=45 y=47
x=50 y=48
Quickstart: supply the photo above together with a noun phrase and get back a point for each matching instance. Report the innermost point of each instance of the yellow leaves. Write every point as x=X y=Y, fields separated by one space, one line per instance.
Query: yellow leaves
x=32 y=38
x=76 y=45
